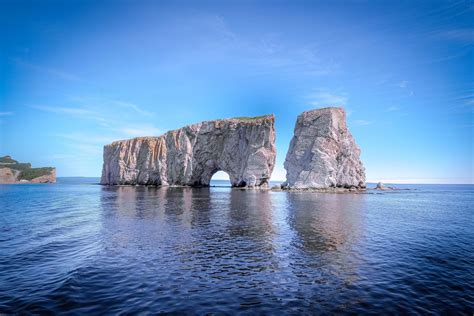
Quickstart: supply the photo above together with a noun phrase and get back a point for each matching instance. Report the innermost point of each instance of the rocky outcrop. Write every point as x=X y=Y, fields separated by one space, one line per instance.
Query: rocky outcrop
x=8 y=176
x=382 y=187
x=242 y=147
x=46 y=178
x=323 y=154
x=12 y=171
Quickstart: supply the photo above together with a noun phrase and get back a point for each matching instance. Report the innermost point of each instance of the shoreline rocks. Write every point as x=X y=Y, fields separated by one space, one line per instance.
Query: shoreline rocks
x=323 y=154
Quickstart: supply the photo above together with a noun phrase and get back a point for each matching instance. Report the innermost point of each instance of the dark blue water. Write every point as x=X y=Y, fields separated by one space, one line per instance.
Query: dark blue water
x=89 y=249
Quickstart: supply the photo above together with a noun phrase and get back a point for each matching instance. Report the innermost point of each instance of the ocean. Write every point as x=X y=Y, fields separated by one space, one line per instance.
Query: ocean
x=76 y=247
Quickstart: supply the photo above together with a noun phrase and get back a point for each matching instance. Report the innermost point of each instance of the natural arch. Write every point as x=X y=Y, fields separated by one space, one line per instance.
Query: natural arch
x=244 y=148
x=223 y=178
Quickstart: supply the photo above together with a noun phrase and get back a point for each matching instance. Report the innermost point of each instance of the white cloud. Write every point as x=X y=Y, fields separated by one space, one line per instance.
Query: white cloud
x=47 y=70
x=327 y=98
x=403 y=84
x=393 y=109
x=361 y=122
x=217 y=40
x=79 y=137
x=89 y=149
x=78 y=112
x=461 y=35
x=132 y=106
x=62 y=110
x=139 y=130
x=419 y=180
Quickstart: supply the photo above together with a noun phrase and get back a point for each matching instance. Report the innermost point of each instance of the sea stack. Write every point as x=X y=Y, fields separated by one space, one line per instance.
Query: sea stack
x=323 y=153
x=242 y=147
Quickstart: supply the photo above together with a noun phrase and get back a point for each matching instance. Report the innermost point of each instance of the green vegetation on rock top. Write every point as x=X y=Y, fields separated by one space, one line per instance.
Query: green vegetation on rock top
x=30 y=174
x=7 y=159
x=26 y=172
x=16 y=166
x=249 y=118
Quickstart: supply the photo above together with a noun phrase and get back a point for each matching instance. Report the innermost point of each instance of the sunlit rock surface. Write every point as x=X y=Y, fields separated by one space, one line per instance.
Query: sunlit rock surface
x=189 y=156
x=12 y=171
x=323 y=153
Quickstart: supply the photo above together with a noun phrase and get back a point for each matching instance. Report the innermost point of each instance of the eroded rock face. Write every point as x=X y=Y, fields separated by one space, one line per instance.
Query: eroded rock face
x=8 y=175
x=322 y=153
x=47 y=178
x=189 y=156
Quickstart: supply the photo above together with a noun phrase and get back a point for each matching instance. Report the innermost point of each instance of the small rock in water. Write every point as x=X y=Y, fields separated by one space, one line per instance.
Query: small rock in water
x=380 y=186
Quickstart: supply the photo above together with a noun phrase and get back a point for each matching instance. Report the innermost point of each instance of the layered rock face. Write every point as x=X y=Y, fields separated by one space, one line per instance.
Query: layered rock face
x=322 y=153
x=189 y=156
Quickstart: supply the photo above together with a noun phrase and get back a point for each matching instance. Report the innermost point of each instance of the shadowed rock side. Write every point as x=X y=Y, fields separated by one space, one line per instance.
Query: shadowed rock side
x=322 y=153
x=189 y=156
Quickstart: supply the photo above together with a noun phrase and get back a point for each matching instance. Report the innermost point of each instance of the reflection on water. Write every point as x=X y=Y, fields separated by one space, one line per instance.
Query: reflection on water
x=96 y=249
x=325 y=222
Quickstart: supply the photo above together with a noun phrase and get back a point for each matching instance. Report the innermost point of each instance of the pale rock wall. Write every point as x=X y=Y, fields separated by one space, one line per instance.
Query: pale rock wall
x=189 y=156
x=323 y=153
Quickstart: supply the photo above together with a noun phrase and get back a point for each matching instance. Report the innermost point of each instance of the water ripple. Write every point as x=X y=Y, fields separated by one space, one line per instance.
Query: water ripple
x=87 y=249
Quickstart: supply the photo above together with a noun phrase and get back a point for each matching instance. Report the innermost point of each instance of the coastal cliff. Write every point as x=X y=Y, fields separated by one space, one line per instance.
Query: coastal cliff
x=12 y=171
x=323 y=153
x=242 y=147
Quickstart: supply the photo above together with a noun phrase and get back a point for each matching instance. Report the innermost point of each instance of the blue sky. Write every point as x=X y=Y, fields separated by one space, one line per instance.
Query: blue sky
x=75 y=75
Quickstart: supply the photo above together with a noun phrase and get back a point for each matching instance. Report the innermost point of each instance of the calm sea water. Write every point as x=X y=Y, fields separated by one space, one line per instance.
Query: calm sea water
x=87 y=249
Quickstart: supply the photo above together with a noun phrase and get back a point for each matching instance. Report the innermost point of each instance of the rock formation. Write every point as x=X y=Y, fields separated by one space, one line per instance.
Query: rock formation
x=322 y=153
x=12 y=171
x=8 y=176
x=382 y=187
x=242 y=147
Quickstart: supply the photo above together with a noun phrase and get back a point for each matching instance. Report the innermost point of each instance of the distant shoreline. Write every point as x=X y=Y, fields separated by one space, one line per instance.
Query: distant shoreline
x=273 y=182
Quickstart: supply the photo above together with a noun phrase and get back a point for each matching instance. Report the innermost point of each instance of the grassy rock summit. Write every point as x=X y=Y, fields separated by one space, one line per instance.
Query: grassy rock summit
x=323 y=153
x=12 y=171
x=243 y=147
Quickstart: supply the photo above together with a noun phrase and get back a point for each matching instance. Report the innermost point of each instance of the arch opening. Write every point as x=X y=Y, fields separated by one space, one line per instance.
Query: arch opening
x=220 y=179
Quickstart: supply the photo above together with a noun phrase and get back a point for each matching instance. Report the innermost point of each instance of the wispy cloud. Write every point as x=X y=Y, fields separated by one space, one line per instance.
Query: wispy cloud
x=139 y=130
x=460 y=35
x=392 y=109
x=265 y=52
x=327 y=98
x=6 y=113
x=405 y=85
x=60 y=74
x=108 y=104
x=78 y=112
x=361 y=122
x=132 y=106
x=89 y=138
x=402 y=84
x=62 y=110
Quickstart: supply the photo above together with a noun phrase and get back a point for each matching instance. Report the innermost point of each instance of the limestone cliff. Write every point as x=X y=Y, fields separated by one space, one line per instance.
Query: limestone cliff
x=12 y=171
x=322 y=153
x=189 y=156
